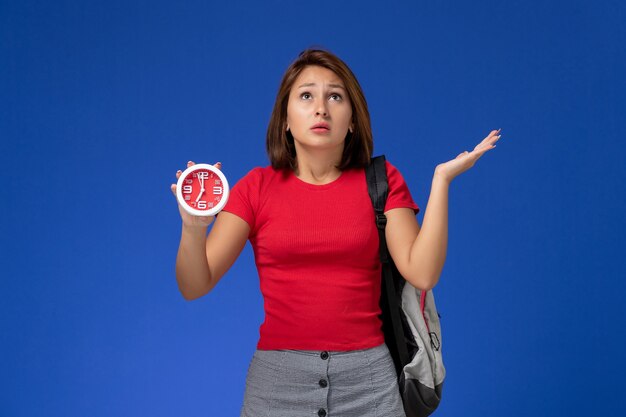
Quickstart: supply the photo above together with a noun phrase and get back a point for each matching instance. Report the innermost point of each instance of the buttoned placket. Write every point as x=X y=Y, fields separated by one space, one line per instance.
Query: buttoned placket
x=323 y=383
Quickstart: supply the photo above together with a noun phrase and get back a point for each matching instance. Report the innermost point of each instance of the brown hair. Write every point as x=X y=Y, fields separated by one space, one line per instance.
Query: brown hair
x=358 y=146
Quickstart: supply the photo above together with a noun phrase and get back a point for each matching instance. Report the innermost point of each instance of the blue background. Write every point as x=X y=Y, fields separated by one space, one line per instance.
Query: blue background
x=101 y=102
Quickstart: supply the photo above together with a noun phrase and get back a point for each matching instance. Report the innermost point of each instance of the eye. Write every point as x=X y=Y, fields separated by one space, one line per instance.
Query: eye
x=305 y=96
x=336 y=97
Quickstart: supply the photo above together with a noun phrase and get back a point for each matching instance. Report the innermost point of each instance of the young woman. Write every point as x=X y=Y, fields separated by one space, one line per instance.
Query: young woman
x=311 y=224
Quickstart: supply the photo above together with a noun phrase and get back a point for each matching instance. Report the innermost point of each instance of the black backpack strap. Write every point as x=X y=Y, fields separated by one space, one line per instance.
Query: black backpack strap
x=378 y=188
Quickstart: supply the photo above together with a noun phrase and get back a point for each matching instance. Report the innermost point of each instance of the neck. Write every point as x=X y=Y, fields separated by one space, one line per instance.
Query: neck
x=318 y=168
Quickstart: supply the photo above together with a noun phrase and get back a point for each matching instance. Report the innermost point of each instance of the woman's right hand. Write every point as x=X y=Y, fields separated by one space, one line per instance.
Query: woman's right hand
x=190 y=220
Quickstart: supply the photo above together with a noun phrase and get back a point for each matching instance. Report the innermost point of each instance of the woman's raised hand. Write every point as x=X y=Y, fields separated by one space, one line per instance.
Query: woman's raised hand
x=188 y=219
x=465 y=160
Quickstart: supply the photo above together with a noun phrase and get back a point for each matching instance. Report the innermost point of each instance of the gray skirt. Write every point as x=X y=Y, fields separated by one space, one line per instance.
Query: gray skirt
x=294 y=383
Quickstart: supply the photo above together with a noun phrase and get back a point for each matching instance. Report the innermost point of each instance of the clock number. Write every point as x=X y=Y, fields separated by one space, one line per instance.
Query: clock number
x=218 y=190
x=188 y=181
x=202 y=175
x=202 y=205
x=187 y=189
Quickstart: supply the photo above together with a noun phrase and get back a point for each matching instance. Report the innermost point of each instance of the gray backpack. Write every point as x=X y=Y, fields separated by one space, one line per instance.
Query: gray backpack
x=410 y=319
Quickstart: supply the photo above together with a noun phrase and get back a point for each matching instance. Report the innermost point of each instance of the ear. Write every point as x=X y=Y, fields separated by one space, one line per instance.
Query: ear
x=287 y=128
x=351 y=128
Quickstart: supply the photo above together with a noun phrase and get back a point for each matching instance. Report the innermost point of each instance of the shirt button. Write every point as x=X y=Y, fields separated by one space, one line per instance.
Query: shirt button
x=321 y=412
x=323 y=383
x=324 y=355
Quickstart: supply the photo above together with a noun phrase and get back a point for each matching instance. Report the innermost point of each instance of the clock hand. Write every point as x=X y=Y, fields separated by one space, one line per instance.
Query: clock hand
x=201 y=178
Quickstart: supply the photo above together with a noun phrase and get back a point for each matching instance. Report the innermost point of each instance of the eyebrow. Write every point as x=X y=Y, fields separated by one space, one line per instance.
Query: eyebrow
x=330 y=85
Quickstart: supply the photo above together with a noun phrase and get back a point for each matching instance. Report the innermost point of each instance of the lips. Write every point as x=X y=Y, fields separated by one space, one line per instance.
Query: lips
x=320 y=126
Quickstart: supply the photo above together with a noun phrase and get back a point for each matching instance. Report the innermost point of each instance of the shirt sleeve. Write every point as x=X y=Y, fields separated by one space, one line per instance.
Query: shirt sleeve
x=399 y=195
x=243 y=198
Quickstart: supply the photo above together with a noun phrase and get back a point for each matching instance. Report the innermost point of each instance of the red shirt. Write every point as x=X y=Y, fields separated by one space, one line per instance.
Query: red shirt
x=316 y=251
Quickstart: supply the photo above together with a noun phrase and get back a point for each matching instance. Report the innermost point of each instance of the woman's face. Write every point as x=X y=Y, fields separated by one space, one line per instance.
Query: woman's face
x=319 y=112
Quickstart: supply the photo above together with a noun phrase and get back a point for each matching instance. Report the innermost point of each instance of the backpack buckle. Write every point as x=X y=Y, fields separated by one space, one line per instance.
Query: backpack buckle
x=381 y=221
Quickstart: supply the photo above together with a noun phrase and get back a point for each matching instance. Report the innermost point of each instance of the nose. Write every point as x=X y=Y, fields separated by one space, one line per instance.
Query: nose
x=321 y=109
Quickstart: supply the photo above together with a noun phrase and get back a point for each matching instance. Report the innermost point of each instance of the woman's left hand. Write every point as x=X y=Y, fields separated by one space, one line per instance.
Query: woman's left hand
x=464 y=161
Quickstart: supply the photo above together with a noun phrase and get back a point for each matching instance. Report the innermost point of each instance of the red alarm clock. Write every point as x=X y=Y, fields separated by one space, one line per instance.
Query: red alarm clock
x=202 y=190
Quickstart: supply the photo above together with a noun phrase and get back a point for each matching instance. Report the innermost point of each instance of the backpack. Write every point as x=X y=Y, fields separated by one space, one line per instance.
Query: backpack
x=410 y=319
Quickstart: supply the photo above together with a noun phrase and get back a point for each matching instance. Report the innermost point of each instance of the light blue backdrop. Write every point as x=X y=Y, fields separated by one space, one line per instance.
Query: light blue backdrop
x=102 y=101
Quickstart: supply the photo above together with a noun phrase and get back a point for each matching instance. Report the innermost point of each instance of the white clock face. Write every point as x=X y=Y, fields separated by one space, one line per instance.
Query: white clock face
x=202 y=190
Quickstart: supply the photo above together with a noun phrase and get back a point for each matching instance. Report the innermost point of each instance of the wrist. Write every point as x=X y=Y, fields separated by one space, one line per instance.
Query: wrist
x=194 y=231
x=440 y=177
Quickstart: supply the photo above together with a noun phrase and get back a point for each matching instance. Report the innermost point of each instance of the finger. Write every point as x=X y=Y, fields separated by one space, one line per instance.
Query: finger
x=482 y=151
x=482 y=146
x=493 y=140
x=218 y=165
x=173 y=188
x=490 y=139
x=190 y=163
x=178 y=173
x=491 y=135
